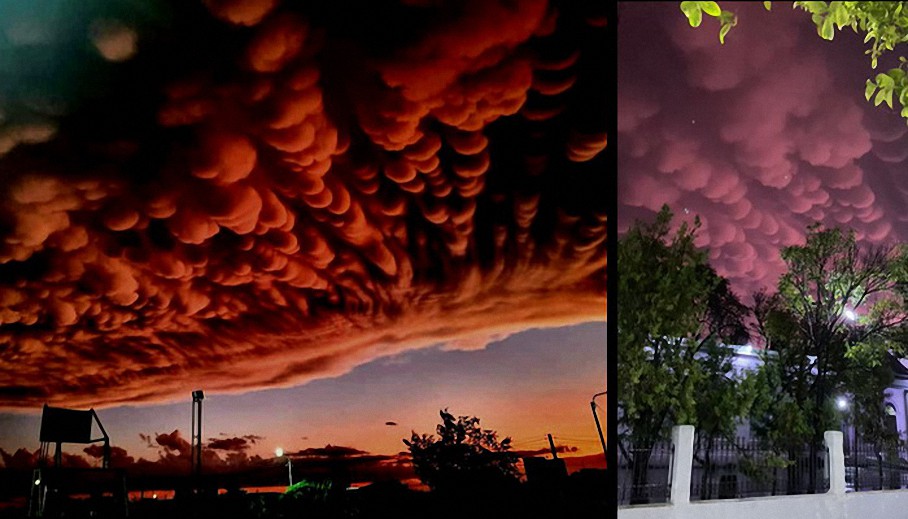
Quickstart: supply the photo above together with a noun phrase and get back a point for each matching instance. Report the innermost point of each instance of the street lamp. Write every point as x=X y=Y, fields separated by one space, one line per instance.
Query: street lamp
x=598 y=426
x=842 y=404
x=279 y=452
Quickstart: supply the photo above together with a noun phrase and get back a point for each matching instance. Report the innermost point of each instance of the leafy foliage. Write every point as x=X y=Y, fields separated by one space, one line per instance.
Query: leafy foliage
x=463 y=457
x=674 y=309
x=821 y=353
x=674 y=313
x=884 y=25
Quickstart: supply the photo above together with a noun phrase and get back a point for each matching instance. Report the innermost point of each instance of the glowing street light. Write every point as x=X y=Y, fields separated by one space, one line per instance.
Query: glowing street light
x=841 y=403
x=279 y=452
x=850 y=315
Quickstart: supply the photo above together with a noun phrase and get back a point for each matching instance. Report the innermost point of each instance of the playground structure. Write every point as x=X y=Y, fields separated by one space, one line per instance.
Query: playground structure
x=52 y=485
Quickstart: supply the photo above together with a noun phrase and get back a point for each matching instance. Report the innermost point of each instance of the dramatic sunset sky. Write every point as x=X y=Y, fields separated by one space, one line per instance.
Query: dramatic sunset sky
x=334 y=220
x=759 y=137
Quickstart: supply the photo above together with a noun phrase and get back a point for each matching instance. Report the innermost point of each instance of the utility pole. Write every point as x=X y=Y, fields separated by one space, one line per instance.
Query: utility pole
x=598 y=425
x=552 y=446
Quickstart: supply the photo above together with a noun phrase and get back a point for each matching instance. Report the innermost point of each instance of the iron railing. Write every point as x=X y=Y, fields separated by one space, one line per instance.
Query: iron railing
x=728 y=468
x=870 y=466
x=653 y=475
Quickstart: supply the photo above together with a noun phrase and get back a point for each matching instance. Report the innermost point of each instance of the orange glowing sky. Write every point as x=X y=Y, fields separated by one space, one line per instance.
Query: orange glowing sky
x=255 y=195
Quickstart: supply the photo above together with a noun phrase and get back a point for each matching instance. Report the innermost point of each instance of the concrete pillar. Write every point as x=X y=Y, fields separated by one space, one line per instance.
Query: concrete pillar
x=682 y=464
x=836 y=462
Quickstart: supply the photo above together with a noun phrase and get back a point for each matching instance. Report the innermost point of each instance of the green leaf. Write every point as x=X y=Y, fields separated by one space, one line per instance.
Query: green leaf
x=722 y=32
x=880 y=96
x=869 y=89
x=768 y=6
x=885 y=94
x=710 y=8
x=885 y=81
x=841 y=17
x=726 y=17
x=816 y=7
x=827 y=31
x=693 y=12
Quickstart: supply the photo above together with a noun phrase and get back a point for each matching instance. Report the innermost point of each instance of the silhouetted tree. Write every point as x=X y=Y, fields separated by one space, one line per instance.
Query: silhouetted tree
x=463 y=456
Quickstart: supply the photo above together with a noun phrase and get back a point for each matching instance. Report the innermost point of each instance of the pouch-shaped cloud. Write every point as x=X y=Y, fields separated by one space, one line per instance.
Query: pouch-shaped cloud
x=759 y=137
x=299 y=192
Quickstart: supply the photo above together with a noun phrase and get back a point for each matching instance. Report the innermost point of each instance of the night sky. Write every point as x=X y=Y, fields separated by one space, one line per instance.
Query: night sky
x=336 y=219
x=759 y=137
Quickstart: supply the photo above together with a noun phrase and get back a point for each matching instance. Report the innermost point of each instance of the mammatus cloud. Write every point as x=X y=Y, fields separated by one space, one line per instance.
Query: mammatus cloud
x=297 y=193
x=759 y=137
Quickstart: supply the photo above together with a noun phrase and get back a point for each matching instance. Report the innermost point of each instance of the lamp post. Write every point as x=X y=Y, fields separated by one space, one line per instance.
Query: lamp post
x=598 y=425
x=279 y=452
x=842 y=404
x=197 y=397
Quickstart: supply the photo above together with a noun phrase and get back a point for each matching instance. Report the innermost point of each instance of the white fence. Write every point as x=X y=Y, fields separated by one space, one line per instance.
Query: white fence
x=834 y=504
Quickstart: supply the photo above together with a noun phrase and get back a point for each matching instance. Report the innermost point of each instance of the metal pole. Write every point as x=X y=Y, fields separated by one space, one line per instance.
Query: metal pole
x=198 y=452
x=552 y=446
x=598 y=425
x=192 y=438
x=290 y=471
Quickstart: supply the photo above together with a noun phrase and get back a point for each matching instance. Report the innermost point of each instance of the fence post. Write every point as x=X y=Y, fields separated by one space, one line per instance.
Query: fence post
x=683 y=440
x=836 y=462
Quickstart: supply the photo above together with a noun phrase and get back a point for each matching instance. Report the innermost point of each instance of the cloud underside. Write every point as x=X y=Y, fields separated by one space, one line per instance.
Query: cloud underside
x=759 y=137
x=290 y=200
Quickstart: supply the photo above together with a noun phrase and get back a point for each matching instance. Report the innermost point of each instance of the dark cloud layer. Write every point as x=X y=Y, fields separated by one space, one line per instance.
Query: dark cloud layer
x=249 y=193
x=759 y=137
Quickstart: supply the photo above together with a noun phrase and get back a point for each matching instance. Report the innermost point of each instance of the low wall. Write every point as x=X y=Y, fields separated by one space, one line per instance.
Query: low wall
x=855 y=505
x=834 y=504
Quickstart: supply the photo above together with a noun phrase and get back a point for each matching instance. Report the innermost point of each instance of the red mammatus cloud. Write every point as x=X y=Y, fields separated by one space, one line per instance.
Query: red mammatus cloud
x=299 y=191
x=758 y=137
